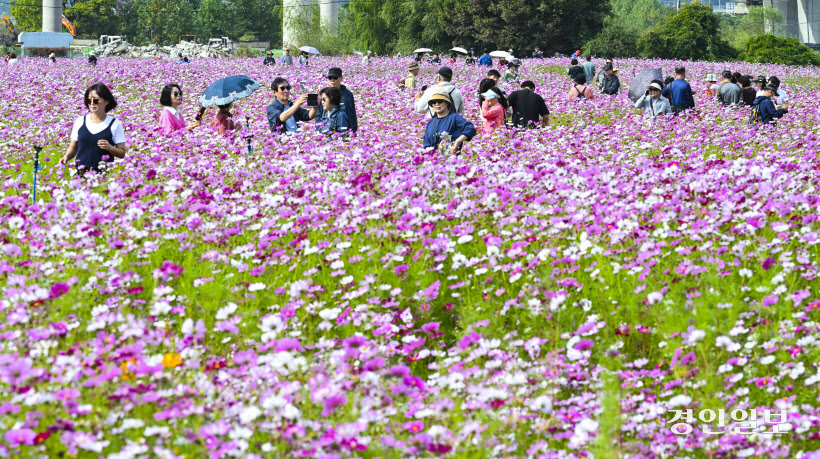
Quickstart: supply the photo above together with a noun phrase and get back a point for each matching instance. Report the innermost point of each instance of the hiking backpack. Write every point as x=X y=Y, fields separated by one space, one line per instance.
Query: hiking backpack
x=754 y=117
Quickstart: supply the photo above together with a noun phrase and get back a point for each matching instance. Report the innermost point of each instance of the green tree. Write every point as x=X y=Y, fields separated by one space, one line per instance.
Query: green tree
x=691 y=33
x=555 y=25
x=93 y=18
x=614 y=40
x=163 y=21
x=366 y=26
x=769 y=48
x=28 y=15
x=639 y=15
x=214 y=19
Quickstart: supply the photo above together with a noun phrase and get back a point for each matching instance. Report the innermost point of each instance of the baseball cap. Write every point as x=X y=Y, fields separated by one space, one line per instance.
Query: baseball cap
x=608 y=67
x=446 y=72
x=761 y=79
x=770 y=87
x=726 y=74
x=334 y=72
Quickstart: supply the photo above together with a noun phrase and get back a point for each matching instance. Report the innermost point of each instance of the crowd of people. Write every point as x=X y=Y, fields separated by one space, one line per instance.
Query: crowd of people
x=97 y=137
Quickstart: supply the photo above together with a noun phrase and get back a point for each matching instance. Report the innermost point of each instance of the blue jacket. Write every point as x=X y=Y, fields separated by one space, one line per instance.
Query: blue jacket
x=276 y=108
x=287 y=59
x=679 y=93
x=453 y=124
x=334 y=121
x=485 y=60
x=350 y=108
x=766 y=111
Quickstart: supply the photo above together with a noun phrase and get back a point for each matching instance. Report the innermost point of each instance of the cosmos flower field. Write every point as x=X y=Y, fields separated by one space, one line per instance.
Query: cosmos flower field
x=552 y=293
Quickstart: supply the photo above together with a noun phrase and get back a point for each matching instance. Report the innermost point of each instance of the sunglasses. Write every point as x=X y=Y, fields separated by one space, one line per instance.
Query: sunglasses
x=436 y=102
x=94 y=101
x=284 y=88
x=332 y=78
x=176 y=94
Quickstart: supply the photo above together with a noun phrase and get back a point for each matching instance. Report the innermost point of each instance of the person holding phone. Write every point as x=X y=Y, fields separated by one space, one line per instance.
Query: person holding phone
x=283 y=114
x=652 y=102
x=171 y=119
x=96 y=135
x=334 y=117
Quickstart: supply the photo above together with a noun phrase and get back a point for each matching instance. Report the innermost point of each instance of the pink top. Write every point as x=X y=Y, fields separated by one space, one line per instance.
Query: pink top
x=585 y=90
x=224 y=120
x=493 y=116
x=169 y=122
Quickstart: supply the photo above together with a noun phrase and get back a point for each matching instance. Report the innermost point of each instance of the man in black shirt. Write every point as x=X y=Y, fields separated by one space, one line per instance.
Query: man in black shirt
x=528 y=107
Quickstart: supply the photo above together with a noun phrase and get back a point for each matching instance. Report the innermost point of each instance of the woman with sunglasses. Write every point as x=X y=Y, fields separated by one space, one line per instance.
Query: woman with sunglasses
x=171 y=119
x=333 y=118
x=445 y=125
x=96 y=136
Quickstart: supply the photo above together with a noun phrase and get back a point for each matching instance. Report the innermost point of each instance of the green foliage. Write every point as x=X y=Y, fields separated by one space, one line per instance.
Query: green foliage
x=244 y=51
x=691 y=33
x=164 y=21
x=45 y=52
x=760 y=20
x=28 y=16
x=779 y=50
x=555 y=25
x=614 y=40
x=639 y=15
x=309 y=32
x=248 y=37
x=93 y=18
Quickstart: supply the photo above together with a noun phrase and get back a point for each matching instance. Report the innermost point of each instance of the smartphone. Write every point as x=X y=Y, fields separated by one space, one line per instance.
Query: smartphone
x=424 y=88
x=313 y=100
x=201 y=112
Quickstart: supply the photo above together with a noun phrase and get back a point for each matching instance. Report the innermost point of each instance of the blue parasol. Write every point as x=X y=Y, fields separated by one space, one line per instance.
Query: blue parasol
x=227 y=90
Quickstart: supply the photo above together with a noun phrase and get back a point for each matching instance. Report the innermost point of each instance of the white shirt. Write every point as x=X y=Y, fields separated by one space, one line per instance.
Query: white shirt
x=458 y=99
x=12 y=61
x=118 y=133
x=781 y=97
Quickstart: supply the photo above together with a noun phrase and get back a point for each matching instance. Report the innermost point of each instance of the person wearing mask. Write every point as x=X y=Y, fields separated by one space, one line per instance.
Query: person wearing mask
x=333 y=118
x=711 y=85
x=223 y=121
x=610 y=83
x=436 y=59
x=287 y=59
x=303 y=59
x=589 y=68
x=446 y=126
x=92 y=59
x=171 y=119
x=410 y=80
x=729 y=93
x=443 y=83
x=512 y=71
x=679 y=92
x=368 y=58
x=780 y=96
x=97 y=134
x=485 y=59
x=537 y=53
x=492 y=112
x=652 y=102
x=600 y=76
x=283 y=114
x=574 y=69
x=764 y=110
x=269 y=59
x=748 y=94
x=528 y=107
x=579 y=90
x=348 y=102
x=470 y=57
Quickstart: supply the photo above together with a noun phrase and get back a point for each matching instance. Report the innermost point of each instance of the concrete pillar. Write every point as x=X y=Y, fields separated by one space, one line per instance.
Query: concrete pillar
x=295 y=17
x=808 y=20
x=53 y=16
x=329 y=10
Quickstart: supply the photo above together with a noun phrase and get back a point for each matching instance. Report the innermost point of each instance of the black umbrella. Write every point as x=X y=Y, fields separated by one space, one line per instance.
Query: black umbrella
x=642 y=80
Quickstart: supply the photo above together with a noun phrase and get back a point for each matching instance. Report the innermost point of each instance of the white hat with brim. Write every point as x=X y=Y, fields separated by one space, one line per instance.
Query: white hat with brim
x=654 y=86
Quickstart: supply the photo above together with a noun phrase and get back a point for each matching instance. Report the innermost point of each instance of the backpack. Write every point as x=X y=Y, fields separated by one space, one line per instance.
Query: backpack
x=580 y=93
x=754 y=117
